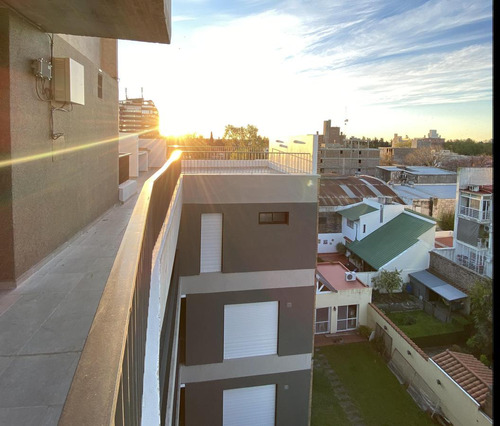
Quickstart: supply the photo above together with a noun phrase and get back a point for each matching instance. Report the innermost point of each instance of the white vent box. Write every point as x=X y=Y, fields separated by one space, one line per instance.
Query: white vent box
x=69 y=81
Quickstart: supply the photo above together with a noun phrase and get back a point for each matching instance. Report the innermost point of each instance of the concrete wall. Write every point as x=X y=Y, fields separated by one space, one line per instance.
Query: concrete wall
x=55 y=196
x=456 y=404
x=205 y=321
x=204 y=403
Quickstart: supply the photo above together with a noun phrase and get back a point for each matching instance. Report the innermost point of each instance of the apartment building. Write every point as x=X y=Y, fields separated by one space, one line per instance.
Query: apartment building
x=226 y=306
x=473 y=236
x=345 y=157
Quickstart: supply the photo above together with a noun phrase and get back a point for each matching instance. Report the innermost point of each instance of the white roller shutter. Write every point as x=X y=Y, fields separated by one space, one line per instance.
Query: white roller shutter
x=250 y=329
x=253 y=406
x=211 y=242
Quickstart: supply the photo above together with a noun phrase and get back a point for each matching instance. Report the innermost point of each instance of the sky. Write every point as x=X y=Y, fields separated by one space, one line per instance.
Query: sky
x=372 y=67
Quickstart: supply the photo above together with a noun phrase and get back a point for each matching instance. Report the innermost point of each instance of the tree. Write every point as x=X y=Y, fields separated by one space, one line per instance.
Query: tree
x=424 y=157
x=481 y=297
x=388 y=281
x=243 y=138
x=446 y=221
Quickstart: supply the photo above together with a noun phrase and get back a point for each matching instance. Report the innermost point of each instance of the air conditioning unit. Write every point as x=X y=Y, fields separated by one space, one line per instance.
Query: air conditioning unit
x=474 y=188
x=350 y=276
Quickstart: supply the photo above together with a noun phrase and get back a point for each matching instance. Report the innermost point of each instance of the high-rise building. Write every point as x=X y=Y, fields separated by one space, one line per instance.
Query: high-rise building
x=138 y=115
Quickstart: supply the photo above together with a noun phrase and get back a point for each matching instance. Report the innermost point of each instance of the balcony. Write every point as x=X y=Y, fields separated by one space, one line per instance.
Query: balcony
x=479 y=215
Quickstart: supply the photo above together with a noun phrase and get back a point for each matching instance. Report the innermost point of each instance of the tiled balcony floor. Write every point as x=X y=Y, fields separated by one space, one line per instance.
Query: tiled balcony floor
x=44 y=322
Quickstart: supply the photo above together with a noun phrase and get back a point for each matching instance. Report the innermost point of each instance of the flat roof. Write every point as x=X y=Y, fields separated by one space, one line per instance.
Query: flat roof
x=428 y=170
x=438 y=286
x=333 y=275
x=355 y=212
x=140 y=20
x=417 y=191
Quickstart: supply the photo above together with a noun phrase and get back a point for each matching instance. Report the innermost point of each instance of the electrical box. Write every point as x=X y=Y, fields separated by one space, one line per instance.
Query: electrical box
x=42 y=68
x=68 y=81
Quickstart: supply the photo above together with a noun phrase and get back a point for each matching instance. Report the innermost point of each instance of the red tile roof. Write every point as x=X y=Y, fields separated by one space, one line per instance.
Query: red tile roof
x=471 y=374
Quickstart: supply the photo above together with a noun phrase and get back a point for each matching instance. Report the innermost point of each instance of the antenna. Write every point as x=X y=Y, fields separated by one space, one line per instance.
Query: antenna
x=126 y=96
x=142 y=92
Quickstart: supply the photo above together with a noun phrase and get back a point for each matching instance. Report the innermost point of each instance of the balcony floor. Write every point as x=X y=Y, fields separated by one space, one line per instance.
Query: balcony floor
x=44 y=322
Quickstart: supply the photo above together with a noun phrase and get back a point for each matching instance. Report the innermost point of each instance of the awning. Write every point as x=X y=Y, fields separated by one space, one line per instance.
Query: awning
x=438 y=286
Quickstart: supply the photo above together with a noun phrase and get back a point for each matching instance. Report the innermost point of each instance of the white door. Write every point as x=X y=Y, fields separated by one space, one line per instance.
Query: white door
x=253 y=406
x=211 y=242
x=250 y=329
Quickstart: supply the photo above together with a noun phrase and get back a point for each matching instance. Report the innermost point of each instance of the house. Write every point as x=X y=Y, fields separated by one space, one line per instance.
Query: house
x=473 y=232
x=341 y=299
x=59 y=164
x=415 y=175
x=337 y=192
x=402 y=242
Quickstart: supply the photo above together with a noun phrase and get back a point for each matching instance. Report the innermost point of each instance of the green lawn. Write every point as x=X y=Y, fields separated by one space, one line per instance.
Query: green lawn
x=425 y=324
x=381 y=399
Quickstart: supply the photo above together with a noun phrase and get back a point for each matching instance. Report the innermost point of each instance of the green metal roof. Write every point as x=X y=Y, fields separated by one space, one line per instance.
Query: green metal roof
x=354 y=213
x=390 y=240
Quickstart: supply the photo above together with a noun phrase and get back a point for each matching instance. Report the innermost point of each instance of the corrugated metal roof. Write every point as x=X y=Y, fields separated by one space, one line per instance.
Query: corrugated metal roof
x=470 y=374
x=355 y=212
x=437 y=285
x=345 y=190
x=420 y=192
x=428 y=170
x=390 y=240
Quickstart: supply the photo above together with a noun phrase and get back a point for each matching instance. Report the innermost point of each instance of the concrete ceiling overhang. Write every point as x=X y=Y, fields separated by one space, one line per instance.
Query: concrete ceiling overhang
x=140 y=20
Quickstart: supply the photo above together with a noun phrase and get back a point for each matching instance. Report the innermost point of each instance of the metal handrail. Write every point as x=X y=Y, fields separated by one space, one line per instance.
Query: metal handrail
x=107 y=385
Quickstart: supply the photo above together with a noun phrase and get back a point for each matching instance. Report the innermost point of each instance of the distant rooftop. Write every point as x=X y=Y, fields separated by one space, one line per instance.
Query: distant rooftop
x=417 y=192
x=346 y=190
x=427 y=170
x=355 y=212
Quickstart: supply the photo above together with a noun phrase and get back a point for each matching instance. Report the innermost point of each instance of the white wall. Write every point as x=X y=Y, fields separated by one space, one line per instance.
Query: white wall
x=455 y=403
x=163 y=260
x=331 y=242
x=158 y=151
x=357 y=296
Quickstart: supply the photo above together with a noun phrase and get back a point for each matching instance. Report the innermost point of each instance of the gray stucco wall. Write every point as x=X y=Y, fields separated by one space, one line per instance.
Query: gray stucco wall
x=53 y=197
x=248 y=246
x=204 y=401
x=6 y=225
x=205 y=321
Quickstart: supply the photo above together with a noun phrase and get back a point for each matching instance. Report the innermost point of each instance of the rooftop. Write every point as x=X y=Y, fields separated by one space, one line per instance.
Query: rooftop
x=333 y=276
x=346 y=190
x=418 y=192
x=390 y=240
x=355 y=212
x=471 y=374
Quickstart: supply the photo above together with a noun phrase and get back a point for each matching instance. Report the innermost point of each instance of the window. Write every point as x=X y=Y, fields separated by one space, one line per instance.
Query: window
x=211 y=243
x=273 y=218
x=359 y=161
x=347 y=317
x=322 y=320
x=250 y=406
x=350 y=223
x=364 y=229
x=99 y=85
x=250 y=329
